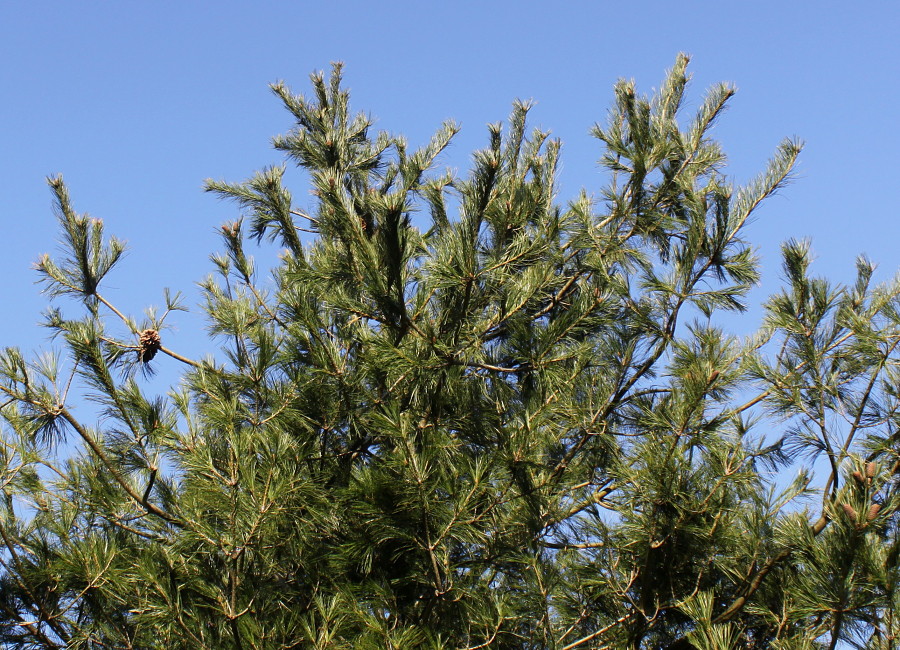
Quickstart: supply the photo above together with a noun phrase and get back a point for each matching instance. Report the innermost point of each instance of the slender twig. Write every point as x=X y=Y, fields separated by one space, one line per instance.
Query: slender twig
x=149 y=487
x=602 y=630
x=178 y=357
x=62 y=399
x=573 y=547
x=312 y=220
x=113 y=309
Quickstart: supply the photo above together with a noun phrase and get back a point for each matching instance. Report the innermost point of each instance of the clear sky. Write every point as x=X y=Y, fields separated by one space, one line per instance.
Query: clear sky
x=136 y=103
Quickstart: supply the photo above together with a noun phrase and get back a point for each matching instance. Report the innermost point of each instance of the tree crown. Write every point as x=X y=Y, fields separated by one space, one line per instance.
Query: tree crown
x=519 y=426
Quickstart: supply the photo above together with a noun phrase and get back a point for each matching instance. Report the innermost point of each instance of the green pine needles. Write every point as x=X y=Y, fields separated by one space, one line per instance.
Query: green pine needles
x=519 y=426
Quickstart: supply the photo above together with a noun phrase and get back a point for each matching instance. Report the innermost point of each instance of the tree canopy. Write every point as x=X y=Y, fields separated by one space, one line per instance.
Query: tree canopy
x=460 y=413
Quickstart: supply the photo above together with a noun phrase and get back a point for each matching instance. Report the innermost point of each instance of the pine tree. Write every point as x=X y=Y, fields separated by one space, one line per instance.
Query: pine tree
x=521 y=425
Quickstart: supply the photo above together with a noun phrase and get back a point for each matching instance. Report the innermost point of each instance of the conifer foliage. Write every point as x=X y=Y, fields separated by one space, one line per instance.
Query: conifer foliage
x=460 y=413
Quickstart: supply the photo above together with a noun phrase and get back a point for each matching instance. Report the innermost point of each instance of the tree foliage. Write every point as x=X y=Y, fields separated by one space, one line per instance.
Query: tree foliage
x=519 y=426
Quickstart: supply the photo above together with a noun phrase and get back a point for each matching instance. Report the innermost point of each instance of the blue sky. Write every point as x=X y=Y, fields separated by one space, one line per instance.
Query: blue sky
x=136 y=103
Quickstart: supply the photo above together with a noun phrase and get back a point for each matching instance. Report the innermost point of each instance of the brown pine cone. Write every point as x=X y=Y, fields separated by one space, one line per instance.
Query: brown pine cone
x=150 y=343
x=870 y=470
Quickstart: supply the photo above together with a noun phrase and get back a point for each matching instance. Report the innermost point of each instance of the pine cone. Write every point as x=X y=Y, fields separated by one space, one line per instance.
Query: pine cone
x=858 y=477
x=150 y=343
x=870 y=470
x=850 y=512
x=874 y=509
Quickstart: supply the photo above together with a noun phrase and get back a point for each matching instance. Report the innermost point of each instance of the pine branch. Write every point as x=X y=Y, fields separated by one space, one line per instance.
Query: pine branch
x=110 y=467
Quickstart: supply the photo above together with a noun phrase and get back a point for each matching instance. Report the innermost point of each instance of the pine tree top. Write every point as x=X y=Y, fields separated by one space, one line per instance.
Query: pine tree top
x=521 y=425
